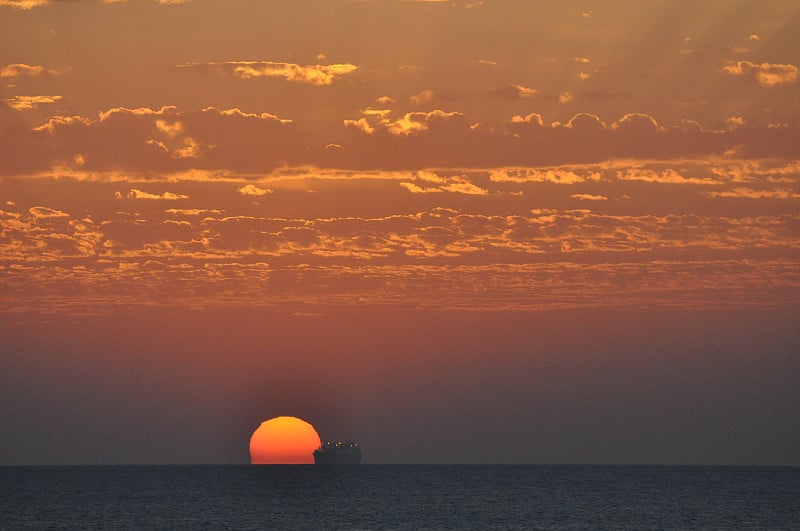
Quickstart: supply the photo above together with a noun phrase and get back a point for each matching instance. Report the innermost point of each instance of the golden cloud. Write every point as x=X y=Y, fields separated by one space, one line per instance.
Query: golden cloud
x=766 y=74
x=134 y=193
x=514 y=92
x=749 y=193
x=307 y=74
x=21 y=69
x=26 y=103
x=39 y=212
x=23 y=4
x=30 y=4
x=250 y=189
x=589 y=197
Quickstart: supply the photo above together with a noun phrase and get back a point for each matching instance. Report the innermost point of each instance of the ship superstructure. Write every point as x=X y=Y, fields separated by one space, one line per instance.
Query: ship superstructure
x=338 y=453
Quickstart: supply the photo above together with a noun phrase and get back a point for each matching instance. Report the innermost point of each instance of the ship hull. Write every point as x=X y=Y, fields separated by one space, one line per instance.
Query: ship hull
x=322 y=459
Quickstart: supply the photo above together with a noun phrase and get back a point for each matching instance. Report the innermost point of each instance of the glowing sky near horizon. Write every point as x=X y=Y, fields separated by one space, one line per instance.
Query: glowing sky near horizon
x=310 y=161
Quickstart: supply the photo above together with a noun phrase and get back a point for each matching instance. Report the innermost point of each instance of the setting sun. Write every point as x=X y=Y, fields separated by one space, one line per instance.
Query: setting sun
x=284 y=441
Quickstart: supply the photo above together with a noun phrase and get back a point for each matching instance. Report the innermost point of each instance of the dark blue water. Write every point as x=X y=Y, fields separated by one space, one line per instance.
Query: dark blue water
x=399 y=497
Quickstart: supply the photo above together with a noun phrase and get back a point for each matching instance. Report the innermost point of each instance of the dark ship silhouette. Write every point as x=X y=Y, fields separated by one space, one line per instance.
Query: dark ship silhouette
x=338 y=453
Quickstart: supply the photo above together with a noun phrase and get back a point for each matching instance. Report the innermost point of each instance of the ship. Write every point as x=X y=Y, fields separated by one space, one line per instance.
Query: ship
x=338 y=453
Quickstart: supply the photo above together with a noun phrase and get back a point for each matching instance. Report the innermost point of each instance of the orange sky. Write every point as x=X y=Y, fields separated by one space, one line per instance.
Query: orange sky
x=365 y=163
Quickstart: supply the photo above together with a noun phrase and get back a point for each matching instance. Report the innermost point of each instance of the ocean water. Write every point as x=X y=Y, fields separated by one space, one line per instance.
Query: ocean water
x=399 y=497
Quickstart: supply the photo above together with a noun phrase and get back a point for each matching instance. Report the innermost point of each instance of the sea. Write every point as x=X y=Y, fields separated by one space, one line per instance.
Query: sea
x=399 y=497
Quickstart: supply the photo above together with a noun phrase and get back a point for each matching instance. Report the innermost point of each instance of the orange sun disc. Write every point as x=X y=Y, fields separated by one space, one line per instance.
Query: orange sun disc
x=284 y=441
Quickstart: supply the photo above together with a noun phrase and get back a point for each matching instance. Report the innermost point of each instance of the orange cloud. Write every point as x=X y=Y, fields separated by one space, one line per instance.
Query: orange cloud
x=514 y=92
x=749 y=193
x=23 y=4
x=40 y=212
x=589 y=197
x=417 y=122
x=456 y=183
x=250 y=189
x=30 y=4
x=361 y=124
x=21 y=69
x=169 y=141
x=766 y=74
x=26 y=103
x=307 y=74
x=566 y=97
x=139 y=194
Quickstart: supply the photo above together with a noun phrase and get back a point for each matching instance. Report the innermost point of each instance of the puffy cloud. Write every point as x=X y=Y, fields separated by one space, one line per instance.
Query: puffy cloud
x=169 y=141
x=514 y=92
x=667 y=176
x=23 y=4
x=192 y=211
x=30 y=4
x=307 y=74
x=134 y=193
x=749 y=193
x=589 y=197
x=426 y=96
x=532 y=118
x=26 y=103
x=251 y=189
x=21 y=69
x=456 y=183
x=766 y=74
x=44 y=212
x=735 y=121
x=361 y=124
x=155 y=140
x=415 y=122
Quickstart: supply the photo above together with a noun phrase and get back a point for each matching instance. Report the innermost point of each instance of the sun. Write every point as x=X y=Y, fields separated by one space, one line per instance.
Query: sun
x=284 y=441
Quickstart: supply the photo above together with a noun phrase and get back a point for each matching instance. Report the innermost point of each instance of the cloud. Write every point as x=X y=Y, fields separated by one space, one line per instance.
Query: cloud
x=534 y=118
x=668 y=176
x=514 y=92
x=410 y=123
x=319 y=75
x=749 y=193
x=155 y=140
x=134 y=193
x=454 y=183
x=40 y=212
x=361 y=124
x=589 y=197
x=21 y=69
x=250 y=189
x=152 y=143
x=30 y=4
x=766 y=74
x=23 y=4
x=192 y=211
x=566 y=97
x=26 y=103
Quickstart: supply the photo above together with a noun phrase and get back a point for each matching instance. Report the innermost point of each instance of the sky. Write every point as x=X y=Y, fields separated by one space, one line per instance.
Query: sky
x=498 y=231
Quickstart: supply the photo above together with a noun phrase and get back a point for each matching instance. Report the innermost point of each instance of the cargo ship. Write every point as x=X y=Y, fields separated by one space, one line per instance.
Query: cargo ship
x=338 y=453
